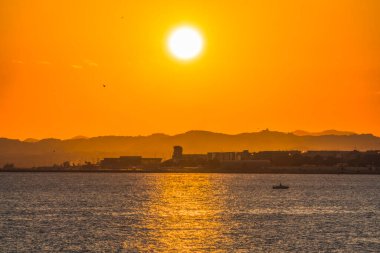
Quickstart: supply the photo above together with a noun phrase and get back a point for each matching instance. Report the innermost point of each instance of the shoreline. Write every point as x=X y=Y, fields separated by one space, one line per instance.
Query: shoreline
x=269 y=170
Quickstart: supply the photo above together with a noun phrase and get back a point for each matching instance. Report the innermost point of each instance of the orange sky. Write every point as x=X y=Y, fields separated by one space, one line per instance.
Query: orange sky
x=282 y=65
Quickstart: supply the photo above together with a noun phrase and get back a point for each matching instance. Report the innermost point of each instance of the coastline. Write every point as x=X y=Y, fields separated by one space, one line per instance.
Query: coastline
x=266 y=170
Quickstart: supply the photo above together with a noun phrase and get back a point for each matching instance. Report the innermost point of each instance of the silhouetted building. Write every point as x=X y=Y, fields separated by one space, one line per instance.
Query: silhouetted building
x=229 y=156
x=179 y=158
x=177 y=153
x=221 y=156
x=151 y=162
x=194 y=158
x=128 y=162
x=236 y=161
x=275 y=154
x=329 y=153
x=245 y=155
x=110 y=163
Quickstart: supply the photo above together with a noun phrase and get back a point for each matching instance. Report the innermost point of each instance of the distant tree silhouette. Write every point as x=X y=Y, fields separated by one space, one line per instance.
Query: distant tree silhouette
x=9 y=166
x=66 y=164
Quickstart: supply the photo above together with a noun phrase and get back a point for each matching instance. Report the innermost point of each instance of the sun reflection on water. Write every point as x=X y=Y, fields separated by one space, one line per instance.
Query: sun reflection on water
x=182 y=215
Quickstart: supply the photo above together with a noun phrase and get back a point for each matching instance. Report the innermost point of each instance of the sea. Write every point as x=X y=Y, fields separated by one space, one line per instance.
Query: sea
x=116 y=212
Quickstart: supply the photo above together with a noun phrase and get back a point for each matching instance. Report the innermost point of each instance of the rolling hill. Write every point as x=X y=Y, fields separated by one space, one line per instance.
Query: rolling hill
x=55 y=151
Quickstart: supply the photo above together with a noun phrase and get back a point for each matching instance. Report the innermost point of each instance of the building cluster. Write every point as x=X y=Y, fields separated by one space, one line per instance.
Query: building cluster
x=130 y=162
x=246 y=159
x=224 y=160
x=322 y=158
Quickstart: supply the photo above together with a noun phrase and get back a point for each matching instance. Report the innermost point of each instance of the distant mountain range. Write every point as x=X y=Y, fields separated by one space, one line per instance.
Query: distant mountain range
x=33 y=152
x=326 y=132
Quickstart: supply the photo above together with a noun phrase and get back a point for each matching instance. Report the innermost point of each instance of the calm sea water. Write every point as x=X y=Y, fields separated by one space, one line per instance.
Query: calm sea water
x=188 y=213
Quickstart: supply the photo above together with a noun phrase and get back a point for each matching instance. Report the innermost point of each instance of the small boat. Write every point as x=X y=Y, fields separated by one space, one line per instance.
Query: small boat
x=280 y=186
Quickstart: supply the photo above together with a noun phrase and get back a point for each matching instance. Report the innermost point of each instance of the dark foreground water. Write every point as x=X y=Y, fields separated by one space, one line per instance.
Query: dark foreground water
x=188 y=213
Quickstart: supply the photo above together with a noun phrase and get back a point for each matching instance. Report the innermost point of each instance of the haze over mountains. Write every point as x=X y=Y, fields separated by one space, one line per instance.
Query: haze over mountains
x=44 y=152
x=326 y=132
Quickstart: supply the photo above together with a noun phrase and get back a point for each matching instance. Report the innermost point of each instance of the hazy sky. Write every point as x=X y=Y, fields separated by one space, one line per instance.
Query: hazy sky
x=282 y=65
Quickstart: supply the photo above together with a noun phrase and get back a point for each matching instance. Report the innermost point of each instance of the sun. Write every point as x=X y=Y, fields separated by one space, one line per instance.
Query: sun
x=185 y=43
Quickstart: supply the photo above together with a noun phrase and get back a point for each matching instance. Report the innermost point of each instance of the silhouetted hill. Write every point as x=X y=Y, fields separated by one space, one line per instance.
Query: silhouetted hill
x=30 y=140
x=55 y=151
x=326 y=132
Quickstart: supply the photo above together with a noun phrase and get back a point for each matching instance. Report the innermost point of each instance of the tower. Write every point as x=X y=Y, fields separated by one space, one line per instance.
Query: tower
x=177 y=153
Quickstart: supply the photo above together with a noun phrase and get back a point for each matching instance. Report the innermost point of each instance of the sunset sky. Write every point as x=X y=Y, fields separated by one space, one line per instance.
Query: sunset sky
x=282 y=65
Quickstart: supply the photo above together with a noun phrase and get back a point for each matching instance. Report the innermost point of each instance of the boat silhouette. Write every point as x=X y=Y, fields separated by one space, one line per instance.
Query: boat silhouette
x=280 y=186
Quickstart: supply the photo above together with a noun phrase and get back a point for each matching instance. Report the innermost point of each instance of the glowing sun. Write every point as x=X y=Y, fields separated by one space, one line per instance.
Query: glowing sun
x=185 y=43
